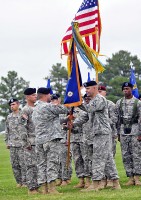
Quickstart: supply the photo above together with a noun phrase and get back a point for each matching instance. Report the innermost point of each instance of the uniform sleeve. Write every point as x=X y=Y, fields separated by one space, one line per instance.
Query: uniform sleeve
x=117 y=116
x=139 y=117
x=112 y=117
x=81 y=120
x=58 y=109
x=96 y=105
x=111 y=113
x=7 y=132
x=63 y=120
x=23 y=130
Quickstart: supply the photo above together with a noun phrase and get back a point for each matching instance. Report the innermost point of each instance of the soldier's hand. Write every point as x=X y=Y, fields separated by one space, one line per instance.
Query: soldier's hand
x=70 y=125
x=139 y=138
x=8 y=147
x=70 y=117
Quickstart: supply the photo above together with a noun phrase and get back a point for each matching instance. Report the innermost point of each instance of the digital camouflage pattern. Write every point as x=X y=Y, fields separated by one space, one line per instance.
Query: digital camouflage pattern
x=28 y=140
x=101 y=128
x=12 y=130
x=103 y=159
x=64 y=173
x=13 y=140
x=87 y=139
x=130 y=146
x=28 y=128
x=46 y=120
x=18 y=164
x=77 y=145
x=48 y=136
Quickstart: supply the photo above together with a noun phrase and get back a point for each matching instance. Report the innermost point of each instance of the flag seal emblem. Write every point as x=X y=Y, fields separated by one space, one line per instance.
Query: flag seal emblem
x=70 y=94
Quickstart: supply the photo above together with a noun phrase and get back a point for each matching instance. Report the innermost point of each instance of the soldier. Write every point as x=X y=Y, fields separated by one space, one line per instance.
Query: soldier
x=64 y=176
x=14 y=143
x=101 y=141
x=112 y=116
x=78 y=150
x=113 y=122
x=87 y=140
x=48 y=136
x=129 y=125
x=28 y=140
x=88 y=145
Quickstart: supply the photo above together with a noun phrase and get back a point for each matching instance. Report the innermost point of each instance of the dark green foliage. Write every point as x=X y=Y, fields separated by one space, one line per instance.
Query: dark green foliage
x=58 y=78
x=118 y=71
x=11 y=86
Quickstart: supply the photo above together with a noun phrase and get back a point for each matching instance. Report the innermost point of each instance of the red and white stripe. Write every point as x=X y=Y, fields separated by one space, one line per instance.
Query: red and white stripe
x=88 y=20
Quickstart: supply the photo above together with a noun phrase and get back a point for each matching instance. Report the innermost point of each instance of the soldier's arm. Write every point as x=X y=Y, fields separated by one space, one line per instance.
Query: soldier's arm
x=63 y=120
x=96 y=105
x=58 y=109
x=111 y=112
x=113 y=117
x=78 y=122
x=81 y=120
x=139 y=118
x=117 y=118
x=23 y=129
x=7 y=134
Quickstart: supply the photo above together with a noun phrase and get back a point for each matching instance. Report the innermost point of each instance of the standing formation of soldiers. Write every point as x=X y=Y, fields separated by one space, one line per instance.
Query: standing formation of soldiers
x=38 y=141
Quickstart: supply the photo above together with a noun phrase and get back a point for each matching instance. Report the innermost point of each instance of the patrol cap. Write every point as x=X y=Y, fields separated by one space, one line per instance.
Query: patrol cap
x=58 y=95
x=90 y=83
x=127 y=84
x=54 y=96
x=29 y=91
x=85 y=95
x=12 y=100
x=43 y=90
x=102 y=87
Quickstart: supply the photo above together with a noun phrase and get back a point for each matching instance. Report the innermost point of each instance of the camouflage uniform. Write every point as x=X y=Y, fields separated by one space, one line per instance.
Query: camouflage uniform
x=48 y=136
x=130 y=146
x=113 y=135
x=13 y=139
x=113 y=122
x=28 y=140
x=77 y=146
x=87 y=139
x=102 y=154
x=64 y=173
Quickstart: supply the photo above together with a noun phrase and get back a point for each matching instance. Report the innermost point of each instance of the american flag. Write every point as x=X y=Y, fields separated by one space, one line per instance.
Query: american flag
x=88 y=17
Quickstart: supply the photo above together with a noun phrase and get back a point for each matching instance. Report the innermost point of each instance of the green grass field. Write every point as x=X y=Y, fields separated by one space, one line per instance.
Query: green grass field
x=8 y=190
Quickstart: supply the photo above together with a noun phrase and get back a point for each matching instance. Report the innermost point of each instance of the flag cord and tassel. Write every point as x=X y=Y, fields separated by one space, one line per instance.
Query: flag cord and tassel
x=89 y=55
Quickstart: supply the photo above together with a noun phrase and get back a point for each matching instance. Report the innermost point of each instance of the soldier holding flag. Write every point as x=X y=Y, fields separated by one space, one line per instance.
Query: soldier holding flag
x=101 y=141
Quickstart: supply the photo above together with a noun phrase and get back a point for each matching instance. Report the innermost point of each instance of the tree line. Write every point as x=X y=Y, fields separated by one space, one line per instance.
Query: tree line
x=117 y=71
